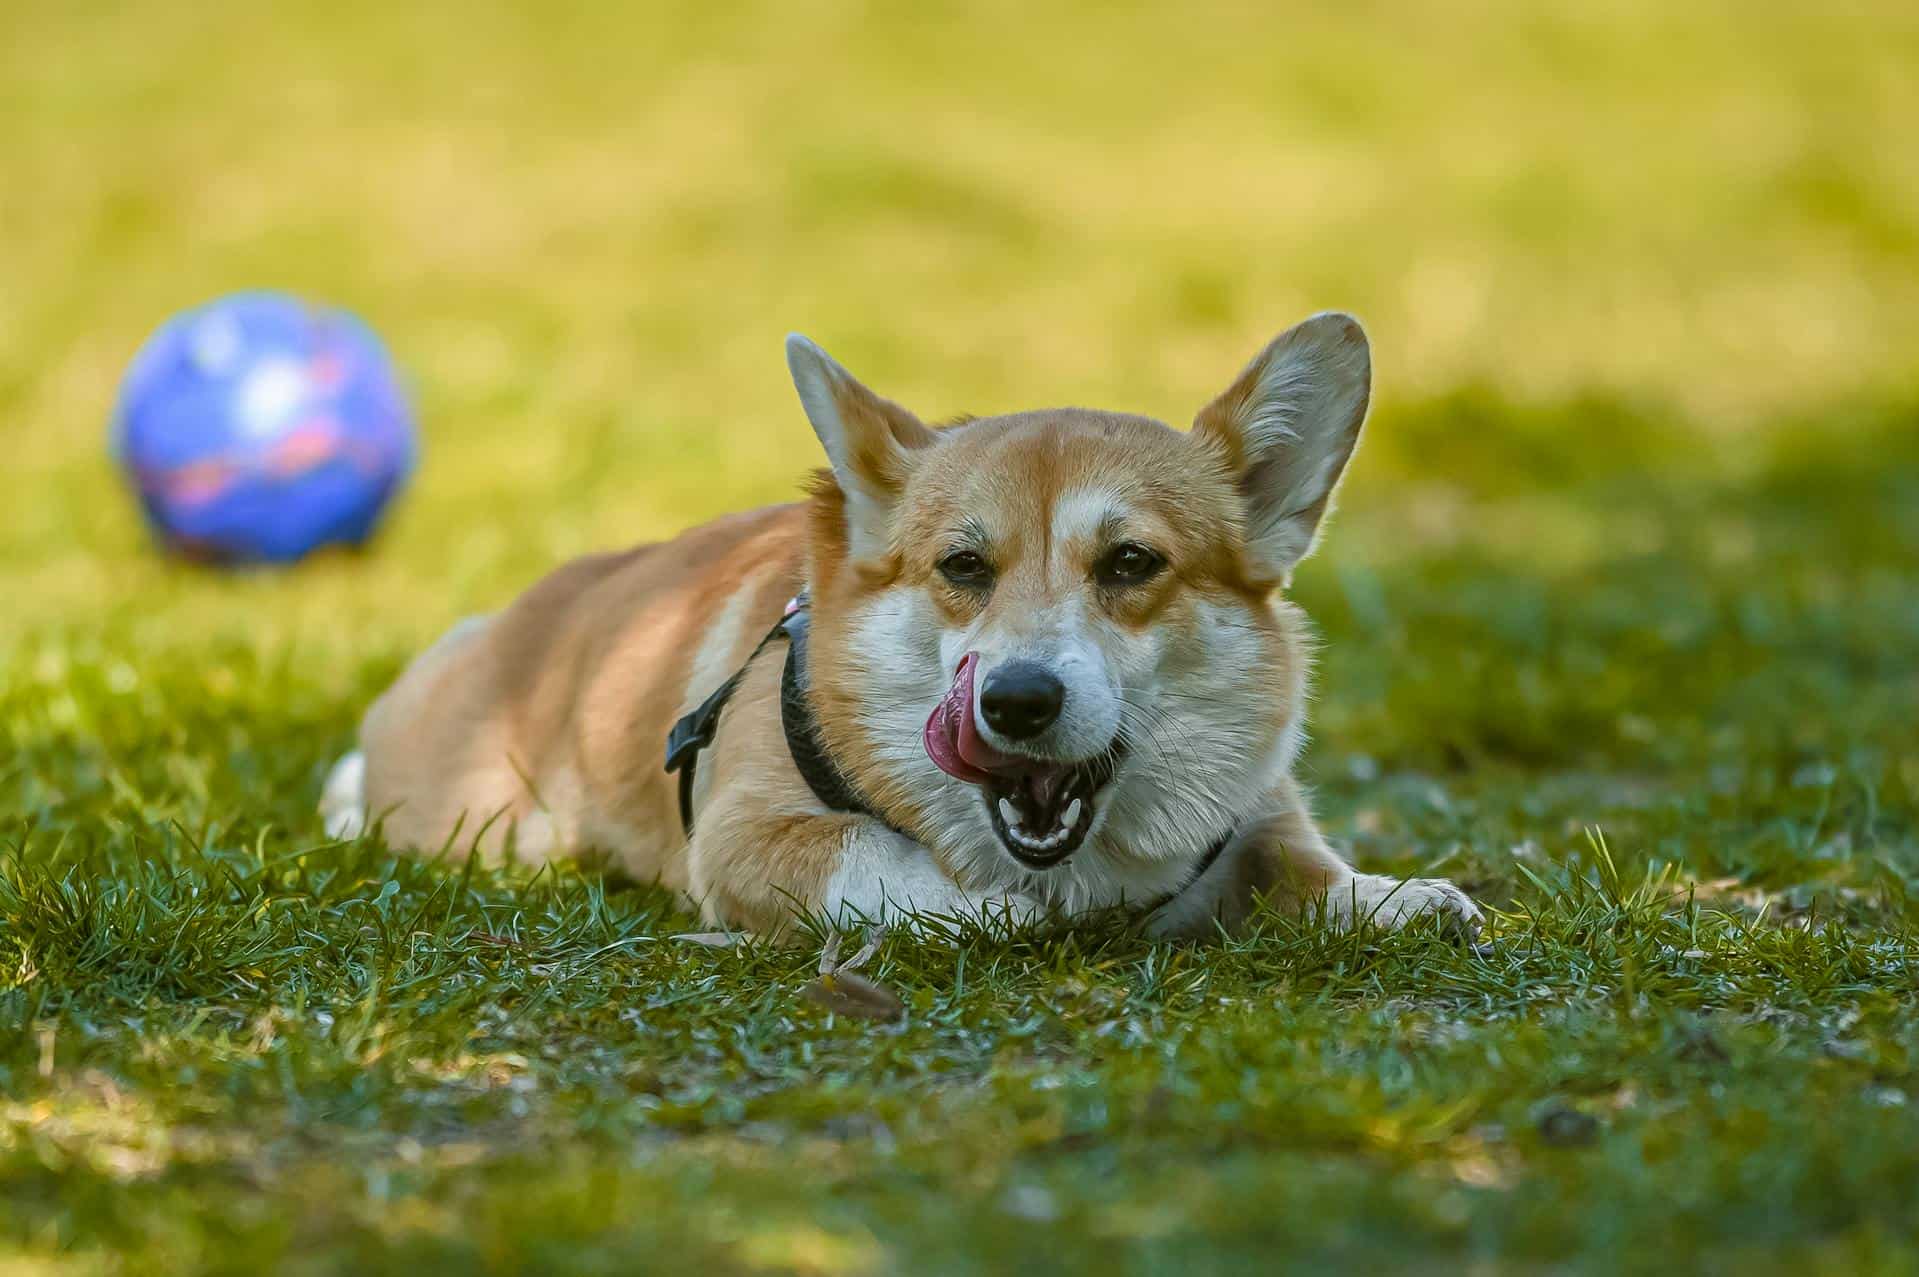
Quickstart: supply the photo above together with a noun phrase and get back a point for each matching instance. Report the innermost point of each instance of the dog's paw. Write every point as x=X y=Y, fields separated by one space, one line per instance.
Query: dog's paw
x=1007 y=914
x=343 y=798
x=888 y=879
x=940 y=919
x=1394 y=902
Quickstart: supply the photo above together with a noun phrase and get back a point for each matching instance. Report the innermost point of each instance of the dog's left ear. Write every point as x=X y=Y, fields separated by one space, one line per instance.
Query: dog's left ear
x=868 y=440
x=1287 y=427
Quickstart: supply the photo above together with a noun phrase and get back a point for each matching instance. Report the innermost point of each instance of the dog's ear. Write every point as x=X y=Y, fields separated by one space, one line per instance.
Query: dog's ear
x=870 y=441
x=1287 y=427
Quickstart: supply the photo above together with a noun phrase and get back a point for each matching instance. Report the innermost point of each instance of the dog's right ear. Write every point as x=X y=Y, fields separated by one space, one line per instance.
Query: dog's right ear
x=868 y=440
x=1286 y=428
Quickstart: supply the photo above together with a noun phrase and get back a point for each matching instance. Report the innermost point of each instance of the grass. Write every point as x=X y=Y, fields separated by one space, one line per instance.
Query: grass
x=1620 y=626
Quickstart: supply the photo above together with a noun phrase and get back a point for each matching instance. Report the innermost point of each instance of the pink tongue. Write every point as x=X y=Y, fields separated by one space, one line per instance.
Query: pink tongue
x=952 y=738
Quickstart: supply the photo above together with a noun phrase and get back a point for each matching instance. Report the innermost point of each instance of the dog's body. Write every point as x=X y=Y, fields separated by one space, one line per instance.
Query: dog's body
x=1048 y=651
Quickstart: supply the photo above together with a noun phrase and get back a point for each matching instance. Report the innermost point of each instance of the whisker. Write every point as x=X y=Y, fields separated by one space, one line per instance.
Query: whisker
x=1191 y=810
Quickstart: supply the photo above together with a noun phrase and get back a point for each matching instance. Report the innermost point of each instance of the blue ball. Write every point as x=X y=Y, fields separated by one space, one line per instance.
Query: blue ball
x=257 y=428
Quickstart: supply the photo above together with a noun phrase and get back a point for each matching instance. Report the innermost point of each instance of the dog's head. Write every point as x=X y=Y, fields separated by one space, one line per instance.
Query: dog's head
x=1052 y=644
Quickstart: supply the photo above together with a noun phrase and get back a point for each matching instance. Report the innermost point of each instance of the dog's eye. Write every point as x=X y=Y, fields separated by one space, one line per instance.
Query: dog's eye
x=1128 y=563
x=963 y=567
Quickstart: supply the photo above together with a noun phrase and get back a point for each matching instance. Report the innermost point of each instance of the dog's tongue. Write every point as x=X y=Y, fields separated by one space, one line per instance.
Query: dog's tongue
x=953 y=740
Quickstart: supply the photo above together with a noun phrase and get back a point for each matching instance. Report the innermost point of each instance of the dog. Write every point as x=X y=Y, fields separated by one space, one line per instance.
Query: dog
x=1010 y=668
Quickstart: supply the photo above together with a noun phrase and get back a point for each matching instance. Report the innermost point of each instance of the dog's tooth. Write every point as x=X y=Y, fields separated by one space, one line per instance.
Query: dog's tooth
x=1071 y=818
x=1007 y=814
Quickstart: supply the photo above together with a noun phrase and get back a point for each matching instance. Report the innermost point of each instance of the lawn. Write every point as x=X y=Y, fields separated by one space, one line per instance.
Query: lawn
x=1620 y=621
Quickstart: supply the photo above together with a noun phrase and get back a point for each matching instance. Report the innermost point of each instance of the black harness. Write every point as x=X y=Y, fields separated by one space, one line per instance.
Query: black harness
x=816 y=767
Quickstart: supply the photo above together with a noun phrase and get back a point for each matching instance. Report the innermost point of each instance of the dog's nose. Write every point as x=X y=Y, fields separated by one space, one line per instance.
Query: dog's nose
x=1021 y=699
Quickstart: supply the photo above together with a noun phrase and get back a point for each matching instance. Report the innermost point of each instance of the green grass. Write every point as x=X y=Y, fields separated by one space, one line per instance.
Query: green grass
x=1621 y=622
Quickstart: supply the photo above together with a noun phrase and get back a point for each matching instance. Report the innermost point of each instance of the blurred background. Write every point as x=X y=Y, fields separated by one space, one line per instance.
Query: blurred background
x=1642 y=279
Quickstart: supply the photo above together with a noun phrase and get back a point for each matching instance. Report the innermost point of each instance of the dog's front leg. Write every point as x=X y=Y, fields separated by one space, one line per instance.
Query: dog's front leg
x=883 y=875
x=761 y=871
x=1280 y=857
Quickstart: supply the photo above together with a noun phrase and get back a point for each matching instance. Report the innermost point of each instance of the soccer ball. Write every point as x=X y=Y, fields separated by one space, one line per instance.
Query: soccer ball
x=257 y=428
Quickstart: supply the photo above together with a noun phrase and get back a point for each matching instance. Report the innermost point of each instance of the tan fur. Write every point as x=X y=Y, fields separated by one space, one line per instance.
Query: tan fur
x=554 y=713
x=540 y=731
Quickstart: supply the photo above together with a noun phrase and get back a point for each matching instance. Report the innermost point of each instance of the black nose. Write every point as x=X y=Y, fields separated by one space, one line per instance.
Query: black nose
x=1021 y=699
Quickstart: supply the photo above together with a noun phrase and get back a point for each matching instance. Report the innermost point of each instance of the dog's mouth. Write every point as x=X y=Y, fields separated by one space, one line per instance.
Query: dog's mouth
x=1042 y=810
x=1042 y=816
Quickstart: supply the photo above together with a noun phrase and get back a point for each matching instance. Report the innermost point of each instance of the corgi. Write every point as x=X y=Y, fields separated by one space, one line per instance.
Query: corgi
x=1009 y=668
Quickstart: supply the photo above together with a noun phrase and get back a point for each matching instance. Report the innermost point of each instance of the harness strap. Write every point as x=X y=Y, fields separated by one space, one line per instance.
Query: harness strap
x=694 y=732
x=816 y=767
x=1206 y=862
